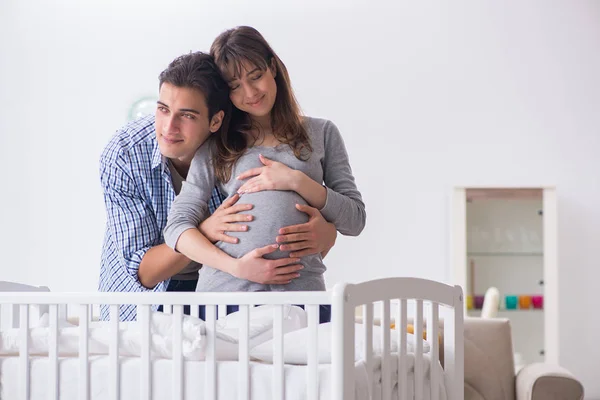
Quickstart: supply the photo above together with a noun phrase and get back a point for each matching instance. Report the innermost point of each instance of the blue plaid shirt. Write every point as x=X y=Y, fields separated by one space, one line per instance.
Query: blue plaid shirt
x=138 y=193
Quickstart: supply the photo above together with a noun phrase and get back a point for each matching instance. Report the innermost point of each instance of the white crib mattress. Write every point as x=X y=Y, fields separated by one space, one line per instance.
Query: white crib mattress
x=261 y=377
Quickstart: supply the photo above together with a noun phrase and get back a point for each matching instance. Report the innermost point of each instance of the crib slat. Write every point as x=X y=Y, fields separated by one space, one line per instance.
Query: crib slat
x=210 y=387
x=418 y=375
x=313 y=351
x=222 y=311
x=194 y=310
x=244 y=358
x=113 y=353
x=402 y=359
x=143 y=317
x=432 y=338
x=386 y=378
x=177 y=352
x=24 y=350
x=83 y=352
x=53 y=377
x=278 y=386
x=368 y=327
x=63 y=312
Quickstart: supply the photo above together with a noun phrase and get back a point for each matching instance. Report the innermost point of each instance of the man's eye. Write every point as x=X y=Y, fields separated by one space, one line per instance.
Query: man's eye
x=188 y=116
x=162 y=109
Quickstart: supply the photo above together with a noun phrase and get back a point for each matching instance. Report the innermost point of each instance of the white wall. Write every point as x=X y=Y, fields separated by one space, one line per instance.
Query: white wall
x=427 y=96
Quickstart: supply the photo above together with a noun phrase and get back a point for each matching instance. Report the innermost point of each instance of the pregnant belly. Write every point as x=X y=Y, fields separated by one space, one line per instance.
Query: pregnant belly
x=272 y=211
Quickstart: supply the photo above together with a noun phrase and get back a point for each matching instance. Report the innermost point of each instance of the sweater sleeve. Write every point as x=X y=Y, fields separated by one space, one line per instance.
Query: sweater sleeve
x=191 y=204
x=344 y=206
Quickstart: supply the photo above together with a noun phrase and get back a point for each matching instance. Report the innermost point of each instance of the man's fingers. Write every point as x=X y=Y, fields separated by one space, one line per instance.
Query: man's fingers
x=307 y=209
x=228 y=239
x=237 y=218
x=293 y=237
x=296 y=246
x=230 y=201
x=249 y=173
x=295 y=229
x=235 y=228
x=261 y=251
x=238 y=208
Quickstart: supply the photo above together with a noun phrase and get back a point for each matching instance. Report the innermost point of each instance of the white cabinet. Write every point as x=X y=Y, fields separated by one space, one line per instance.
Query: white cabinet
x=506 y=238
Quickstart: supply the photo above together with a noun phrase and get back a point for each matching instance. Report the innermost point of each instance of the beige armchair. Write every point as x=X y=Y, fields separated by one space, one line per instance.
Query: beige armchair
x=490 y=370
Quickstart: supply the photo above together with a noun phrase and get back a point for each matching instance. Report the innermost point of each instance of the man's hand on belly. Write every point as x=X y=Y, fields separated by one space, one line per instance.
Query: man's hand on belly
x=255 y=268
x=317 y=236
x=224 y=220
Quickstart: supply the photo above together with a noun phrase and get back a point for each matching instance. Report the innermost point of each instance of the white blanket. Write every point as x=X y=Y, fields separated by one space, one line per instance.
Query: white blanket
x=161 y=335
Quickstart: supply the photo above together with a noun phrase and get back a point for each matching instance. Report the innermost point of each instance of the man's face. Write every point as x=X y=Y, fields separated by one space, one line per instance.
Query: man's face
x=182 y=123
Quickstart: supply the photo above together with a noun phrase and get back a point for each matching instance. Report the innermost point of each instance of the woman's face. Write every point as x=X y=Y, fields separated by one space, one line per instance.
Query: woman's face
x=254 y=92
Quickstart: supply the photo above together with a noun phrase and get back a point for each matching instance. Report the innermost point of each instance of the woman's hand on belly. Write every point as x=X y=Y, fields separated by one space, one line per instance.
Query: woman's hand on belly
x=272 y=176
x=226 y=218
x=277 y=176
x=255 y=268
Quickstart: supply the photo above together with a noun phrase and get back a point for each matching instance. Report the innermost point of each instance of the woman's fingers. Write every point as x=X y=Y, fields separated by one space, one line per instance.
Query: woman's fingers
x=249 y=173
x=289 y=269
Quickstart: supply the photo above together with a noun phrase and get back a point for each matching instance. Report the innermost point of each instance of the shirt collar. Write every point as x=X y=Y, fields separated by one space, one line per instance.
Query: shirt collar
x=157 y=158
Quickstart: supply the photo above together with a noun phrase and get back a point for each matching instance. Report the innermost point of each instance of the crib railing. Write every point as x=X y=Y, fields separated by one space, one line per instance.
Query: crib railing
x=440 y=298
x=443 y=299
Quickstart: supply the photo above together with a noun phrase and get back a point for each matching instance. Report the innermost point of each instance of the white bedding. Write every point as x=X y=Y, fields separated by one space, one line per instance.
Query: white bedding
x=194 y=349
x=260 y=379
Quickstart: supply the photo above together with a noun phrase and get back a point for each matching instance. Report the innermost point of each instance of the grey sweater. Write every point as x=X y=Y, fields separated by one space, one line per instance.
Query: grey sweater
x=328 y=164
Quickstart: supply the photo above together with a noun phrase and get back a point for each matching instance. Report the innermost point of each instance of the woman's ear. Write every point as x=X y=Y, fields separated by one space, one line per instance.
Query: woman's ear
x=273 y=67
x=216 y=121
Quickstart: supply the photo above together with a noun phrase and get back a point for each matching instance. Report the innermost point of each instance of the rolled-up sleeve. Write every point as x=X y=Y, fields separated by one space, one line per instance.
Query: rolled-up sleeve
x=130 y=220
x=191 y=205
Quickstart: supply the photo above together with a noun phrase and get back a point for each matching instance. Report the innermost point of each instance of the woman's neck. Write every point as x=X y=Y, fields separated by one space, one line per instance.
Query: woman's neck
x=262 y=124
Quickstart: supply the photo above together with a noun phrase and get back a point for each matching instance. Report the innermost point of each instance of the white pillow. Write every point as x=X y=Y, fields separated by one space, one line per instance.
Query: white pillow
x=296 y=345
x=261 y=324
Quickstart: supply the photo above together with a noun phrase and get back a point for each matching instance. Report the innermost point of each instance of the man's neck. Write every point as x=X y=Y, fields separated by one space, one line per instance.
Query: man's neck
x=182 y=167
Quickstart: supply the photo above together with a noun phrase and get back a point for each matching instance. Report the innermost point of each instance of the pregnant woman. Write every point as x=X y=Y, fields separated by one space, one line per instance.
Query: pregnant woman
x=272 y=156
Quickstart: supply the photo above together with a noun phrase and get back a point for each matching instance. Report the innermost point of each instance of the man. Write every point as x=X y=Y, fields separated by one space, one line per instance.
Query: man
x=142 y=169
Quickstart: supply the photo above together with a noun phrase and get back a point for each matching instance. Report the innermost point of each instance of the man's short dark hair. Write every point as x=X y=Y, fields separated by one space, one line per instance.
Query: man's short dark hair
x=198 y=71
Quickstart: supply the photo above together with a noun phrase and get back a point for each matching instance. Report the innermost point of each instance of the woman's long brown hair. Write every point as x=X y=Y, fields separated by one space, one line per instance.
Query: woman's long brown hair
x=230 y=50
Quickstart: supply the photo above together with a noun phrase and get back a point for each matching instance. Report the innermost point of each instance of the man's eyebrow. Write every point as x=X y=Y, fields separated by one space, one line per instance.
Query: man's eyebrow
x=190 y=110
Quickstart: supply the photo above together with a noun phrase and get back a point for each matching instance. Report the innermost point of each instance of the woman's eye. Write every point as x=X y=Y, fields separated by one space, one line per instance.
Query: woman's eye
x=257 y=77
x=234 y=87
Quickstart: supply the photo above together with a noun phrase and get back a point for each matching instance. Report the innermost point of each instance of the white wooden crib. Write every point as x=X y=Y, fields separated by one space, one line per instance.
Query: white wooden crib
x=381 y=371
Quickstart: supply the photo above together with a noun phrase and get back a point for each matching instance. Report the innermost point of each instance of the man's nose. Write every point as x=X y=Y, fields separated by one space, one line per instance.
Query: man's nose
x=171 y=124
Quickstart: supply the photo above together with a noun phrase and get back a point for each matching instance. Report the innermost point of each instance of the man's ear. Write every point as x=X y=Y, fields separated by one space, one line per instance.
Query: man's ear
x=273 y=67
x=216 y=121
